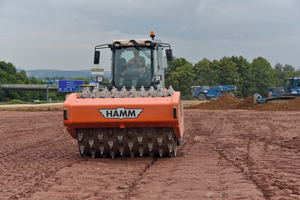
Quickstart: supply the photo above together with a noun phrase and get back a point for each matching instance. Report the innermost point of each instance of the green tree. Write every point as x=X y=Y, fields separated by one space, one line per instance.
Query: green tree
x=9 y=75
x=289 y=71
x=295 y=73
x=286 y=71
x=228 y=74
x=246 y=86
x=181 y=80
x=172 y=66
x=2 y=95
x=264 y=75
x=8 y=68
x=206 y=72
x=86 y=80
x=279 y=74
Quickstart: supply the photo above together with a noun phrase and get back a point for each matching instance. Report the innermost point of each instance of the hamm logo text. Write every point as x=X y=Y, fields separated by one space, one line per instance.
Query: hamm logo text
x=120 y=113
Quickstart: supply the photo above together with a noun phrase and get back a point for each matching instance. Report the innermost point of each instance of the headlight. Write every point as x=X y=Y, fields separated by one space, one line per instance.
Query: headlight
x=99 y=79
x=158 y=77
x=148 y=43
x=117 y=44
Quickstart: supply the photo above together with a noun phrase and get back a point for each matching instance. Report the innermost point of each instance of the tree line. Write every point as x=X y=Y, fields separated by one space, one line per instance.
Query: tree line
x=10 y=75
x=249 y=78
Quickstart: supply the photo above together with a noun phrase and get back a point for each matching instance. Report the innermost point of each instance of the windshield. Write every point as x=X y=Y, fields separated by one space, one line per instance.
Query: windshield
x=195 y=89
x=132 y=67
x=288 y=85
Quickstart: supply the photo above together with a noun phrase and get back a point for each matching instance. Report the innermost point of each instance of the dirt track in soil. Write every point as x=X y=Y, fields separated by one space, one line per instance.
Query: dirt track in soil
x=234 y=154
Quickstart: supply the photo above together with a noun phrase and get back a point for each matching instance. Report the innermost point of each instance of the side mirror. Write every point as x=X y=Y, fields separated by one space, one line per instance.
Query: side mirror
x=97 y=58
x=169 y=55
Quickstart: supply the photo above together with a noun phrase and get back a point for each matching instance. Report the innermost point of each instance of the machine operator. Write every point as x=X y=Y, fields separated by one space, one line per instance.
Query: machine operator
x=136 y=61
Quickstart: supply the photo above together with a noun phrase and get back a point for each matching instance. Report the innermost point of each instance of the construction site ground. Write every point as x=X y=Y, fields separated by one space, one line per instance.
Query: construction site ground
x=231 y=150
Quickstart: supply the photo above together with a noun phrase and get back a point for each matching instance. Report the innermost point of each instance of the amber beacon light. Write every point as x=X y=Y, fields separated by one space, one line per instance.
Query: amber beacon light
x=152 y=34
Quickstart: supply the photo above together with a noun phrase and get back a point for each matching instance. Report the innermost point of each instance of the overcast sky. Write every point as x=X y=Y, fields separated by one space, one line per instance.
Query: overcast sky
x=61 y=34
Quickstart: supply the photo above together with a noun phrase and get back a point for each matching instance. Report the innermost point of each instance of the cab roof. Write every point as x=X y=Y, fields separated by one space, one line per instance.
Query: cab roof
x=127 y=42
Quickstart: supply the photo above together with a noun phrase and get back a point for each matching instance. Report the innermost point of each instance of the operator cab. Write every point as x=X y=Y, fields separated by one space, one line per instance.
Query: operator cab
x=132 y=67
x=195 y=89
x=136 y=63
x=291 y=84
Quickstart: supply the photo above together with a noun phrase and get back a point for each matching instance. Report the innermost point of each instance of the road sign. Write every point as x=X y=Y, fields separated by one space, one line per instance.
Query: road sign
x=68 y=85
x=52 y=82
x=97 y=71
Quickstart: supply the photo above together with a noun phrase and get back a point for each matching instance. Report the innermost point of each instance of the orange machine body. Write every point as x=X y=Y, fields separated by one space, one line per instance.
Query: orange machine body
x=154 y=112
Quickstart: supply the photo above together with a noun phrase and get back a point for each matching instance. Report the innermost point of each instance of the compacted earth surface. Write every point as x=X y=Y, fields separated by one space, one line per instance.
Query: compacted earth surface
x=230 y=150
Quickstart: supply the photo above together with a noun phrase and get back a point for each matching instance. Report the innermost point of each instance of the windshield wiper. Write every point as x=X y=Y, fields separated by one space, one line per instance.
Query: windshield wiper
x=138 y=47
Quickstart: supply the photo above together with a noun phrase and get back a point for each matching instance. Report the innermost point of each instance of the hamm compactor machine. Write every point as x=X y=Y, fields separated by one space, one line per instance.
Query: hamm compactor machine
x=134 y=115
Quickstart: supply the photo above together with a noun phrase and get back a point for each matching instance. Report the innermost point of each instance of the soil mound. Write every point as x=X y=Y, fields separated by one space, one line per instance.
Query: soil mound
x=226 y=102
x=247 y=103
x=292 y=105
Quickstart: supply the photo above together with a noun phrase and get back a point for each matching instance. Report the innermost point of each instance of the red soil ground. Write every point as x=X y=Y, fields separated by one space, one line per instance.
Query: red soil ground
x=225 y=154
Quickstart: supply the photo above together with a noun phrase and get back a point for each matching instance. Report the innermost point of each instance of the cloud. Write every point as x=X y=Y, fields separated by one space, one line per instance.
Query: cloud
x=222 y=41
x=62 y=34
x=203 y=5
x=237 y=34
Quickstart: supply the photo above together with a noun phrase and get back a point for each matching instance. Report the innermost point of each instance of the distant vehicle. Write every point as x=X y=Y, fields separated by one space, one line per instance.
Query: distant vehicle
x=35 y=101
x=290 y=90
x=212 y=92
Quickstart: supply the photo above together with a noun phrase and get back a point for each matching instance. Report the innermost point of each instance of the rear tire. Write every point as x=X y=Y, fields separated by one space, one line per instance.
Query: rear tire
x=231 y=94
x=201 y=97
